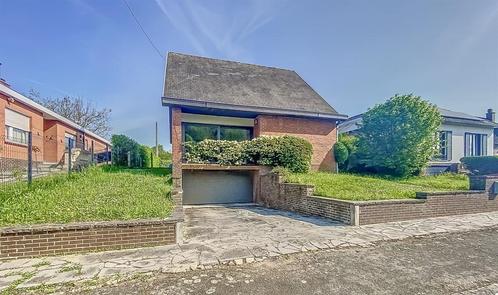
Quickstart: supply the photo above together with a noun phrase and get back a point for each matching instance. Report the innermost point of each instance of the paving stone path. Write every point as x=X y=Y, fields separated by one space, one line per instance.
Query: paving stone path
x=228 y=235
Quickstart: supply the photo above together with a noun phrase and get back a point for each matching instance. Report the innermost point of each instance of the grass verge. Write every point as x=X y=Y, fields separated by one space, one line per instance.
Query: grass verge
x=364 y=188
x=96 y=194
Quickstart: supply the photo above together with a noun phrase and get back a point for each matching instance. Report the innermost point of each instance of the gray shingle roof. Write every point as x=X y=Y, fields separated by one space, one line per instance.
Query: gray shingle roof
x=200 y=79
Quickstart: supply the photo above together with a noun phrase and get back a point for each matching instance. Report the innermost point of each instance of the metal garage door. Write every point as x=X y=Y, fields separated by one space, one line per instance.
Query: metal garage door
x=212 y=187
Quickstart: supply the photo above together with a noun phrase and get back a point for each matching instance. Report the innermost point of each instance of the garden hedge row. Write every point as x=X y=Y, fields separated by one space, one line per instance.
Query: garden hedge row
x=481 y=165
x=286 y=151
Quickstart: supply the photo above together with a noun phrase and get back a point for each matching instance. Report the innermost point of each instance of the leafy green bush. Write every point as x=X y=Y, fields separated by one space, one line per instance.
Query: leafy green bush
x=289 y=152
x=397 y=137
x=481 y=165
x=148 y=157
x=341 y=153
x=221 y=152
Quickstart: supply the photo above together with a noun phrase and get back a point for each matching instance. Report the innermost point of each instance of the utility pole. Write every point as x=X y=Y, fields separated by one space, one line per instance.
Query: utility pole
x=157 y=146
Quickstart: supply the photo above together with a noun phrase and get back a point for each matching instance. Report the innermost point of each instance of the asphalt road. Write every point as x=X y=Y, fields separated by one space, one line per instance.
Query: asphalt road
x=443 y=264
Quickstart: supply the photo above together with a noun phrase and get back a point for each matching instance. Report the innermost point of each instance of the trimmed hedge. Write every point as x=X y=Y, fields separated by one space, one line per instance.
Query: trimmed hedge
x=286 y=151
x=481 y=165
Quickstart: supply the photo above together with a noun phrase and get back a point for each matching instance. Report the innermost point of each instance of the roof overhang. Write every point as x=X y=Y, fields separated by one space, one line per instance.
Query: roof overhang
x=167 y=101
x=48 y=114
x=467 y=122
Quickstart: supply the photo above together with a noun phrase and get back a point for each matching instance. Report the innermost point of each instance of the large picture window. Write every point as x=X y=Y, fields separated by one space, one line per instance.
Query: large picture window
x=476 y=144
x=444 y=146
x=198 y=132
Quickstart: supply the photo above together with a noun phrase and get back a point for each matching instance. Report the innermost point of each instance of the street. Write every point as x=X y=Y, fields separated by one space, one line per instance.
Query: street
x=465 y=263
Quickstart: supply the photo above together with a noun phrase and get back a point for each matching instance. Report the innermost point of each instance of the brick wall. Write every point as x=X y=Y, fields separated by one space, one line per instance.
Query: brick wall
x=176 y=145
x=426 y=205
x=46 y=240
x=320 y=133
x=299 y=198
x=18 y=151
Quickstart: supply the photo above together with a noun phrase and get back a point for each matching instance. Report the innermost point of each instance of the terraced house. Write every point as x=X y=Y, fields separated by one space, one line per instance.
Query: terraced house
x=51 y=133
x=218 y=99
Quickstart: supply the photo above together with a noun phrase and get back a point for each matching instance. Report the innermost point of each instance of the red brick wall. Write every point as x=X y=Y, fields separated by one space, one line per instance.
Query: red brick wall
x=84 y=237
x=19 y=151
x=299 y=198
x=176 y=144
x=320 y=133
x=434 y=205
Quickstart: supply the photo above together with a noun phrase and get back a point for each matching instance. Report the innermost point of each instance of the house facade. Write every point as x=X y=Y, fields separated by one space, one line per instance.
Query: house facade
x=460 y=135
x=225 y=100
x=50 y=132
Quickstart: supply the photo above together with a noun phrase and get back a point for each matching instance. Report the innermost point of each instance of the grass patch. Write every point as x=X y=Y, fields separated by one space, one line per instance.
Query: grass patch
x=96 y=194
x=363 y=188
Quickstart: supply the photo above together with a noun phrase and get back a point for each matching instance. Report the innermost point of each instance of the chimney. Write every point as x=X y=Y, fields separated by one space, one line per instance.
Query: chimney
x=491 y=115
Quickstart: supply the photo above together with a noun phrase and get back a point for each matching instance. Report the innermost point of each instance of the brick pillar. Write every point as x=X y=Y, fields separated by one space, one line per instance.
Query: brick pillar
x=176 y=146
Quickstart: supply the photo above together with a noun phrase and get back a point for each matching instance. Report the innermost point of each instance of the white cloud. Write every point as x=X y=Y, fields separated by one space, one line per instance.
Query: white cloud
x=212 y=28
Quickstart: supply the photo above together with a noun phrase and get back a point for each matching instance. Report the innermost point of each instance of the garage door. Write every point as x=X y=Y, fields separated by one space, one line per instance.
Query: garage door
x=216 y=187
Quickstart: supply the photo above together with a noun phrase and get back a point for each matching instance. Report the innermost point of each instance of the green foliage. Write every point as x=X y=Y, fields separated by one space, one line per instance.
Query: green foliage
x=397 y=137
x=341 y=153
x=165 y=157
x=148 y=157
x=351 y=144
x=221 y=152
x=289 y=152
x=481 y=165
x=121 y=146
x=95 y=194
x=363 y=187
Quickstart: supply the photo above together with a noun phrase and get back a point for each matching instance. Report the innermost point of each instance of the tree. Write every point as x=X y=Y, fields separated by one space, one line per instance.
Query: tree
x=76 y=109
x=122 y=145
x=398 y=137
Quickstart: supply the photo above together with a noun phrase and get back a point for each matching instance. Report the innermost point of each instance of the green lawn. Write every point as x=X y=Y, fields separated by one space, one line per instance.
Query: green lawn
x=98 y=193
x=362 y=188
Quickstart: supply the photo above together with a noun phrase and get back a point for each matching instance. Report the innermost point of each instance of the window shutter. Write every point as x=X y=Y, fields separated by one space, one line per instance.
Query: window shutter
x=16 y=120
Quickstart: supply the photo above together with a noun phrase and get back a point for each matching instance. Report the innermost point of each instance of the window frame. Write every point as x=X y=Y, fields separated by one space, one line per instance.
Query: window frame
x=15 y=140
x=483 y=142
x=449 y=146
x=218 y=129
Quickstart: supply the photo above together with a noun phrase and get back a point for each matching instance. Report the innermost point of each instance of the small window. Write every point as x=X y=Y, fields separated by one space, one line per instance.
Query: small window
x=476 y=144
x=444 y=146
x=16 y=135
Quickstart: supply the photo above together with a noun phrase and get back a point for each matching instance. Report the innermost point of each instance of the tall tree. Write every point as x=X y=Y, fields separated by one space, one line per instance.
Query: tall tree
x=78 y=110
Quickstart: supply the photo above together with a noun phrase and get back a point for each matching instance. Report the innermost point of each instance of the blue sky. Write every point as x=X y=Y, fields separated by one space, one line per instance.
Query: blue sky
x=355 y=53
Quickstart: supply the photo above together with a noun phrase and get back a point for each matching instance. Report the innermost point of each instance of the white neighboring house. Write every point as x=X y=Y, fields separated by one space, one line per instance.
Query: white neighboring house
x=460 y=135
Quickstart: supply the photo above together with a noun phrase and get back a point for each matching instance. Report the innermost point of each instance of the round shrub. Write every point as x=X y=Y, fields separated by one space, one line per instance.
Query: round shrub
x=341 y=153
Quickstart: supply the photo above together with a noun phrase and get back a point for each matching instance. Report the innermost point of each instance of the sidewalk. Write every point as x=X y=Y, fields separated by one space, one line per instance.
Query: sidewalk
x=273 y=233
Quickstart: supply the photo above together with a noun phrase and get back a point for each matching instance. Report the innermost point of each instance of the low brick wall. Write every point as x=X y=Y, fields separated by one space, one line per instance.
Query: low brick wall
x=47 y=240
x=426 y=205
x=299 y=198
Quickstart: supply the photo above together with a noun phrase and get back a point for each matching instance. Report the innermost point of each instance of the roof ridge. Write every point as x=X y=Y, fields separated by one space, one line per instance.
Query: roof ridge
x=232 y=61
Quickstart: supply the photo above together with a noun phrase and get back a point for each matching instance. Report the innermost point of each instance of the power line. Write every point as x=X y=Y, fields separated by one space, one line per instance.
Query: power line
x=141 y=28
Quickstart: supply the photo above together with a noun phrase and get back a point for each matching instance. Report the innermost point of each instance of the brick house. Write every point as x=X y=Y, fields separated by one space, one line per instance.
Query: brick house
x=50 y=132
x=218 y=99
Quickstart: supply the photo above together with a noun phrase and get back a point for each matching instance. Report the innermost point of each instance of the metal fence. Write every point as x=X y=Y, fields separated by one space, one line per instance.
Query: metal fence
x=28 y=155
